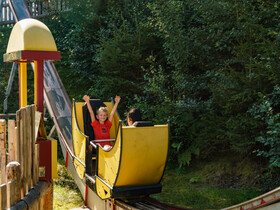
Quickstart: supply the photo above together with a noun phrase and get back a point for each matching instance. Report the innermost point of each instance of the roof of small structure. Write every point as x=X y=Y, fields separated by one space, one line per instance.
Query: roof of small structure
x=31 y=34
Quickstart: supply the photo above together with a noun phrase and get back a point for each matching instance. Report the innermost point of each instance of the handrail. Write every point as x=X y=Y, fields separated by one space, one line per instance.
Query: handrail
x=92 y=144
x=103 y=140
x=90 y=178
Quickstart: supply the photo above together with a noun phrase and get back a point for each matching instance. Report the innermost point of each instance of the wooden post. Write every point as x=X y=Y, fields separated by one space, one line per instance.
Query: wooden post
x=3 y=196
x=22 y=152
x=13 y=178
x=12 y=140
x=48 y=199
x=3 y=156
x=28 y=147
x=17 y=144
x=36 y=163
x=33 y=139
x=11 y=190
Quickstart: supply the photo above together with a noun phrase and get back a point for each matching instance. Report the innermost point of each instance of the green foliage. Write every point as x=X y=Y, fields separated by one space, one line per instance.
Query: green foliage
x=269 y=113
x=198 y=64
x=5 y=70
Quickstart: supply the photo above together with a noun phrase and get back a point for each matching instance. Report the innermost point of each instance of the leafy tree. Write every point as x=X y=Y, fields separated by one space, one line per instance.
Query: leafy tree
x=268 y=113
x=201 y=64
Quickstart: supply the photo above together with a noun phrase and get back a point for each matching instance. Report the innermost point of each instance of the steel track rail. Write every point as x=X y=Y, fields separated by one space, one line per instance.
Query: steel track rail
x=258 y=202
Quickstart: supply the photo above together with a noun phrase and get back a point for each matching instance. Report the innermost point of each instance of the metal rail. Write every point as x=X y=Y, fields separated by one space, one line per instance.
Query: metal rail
x=260 y=201
x=55 y=120
x=92 y=144
x=59 y=131
x=103 y=140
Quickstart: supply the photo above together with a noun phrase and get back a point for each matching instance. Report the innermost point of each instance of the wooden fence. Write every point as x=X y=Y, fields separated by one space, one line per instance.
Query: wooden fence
x=20 y=163
x=38 y=8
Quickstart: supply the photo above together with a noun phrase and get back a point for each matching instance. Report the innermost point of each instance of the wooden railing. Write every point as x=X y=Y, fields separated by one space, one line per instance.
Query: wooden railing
x=20 y=162
x=37 y=8
x=7 y=16
x=40 y=8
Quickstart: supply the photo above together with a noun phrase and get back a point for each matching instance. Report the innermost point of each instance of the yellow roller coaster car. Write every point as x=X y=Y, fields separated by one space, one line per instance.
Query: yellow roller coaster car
x=134 y=165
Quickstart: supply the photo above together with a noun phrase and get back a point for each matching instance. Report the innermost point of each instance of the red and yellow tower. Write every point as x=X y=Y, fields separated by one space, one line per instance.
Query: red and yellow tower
x=32 y=42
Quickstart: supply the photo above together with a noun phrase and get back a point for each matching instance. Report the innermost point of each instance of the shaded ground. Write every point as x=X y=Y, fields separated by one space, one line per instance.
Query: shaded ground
x=66 y=193
x=218 y=183
x=190 y=191
x=210 y=185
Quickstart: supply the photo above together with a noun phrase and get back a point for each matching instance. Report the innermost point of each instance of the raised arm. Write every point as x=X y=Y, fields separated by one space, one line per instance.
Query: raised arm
x=86 y=99
x=117 y=101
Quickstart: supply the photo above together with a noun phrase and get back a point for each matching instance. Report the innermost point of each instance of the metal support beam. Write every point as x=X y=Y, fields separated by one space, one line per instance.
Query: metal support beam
x=9 y=87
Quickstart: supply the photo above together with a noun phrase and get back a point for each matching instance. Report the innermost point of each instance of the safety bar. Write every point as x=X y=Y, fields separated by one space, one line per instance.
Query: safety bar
x=103 y=140
x=92 y=144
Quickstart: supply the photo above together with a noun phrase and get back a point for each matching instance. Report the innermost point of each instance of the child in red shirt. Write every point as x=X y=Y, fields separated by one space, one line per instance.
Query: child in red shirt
x=102 y=127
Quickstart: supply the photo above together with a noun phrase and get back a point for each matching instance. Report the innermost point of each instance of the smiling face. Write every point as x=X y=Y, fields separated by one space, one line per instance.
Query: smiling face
x=101 y=116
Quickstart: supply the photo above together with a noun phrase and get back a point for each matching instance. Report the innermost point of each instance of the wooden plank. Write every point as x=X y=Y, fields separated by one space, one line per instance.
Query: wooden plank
x=2 y=142
x=2 y=125
x=3 y=196
x=13 y=177
x=23 y=152
x=52 y=131
x=3 y=166
x=7 y=115
x=28 y=147
x=12 y=140
x=36 y=158
x=18 y=184
x=2 y=133
x=12 y=170
x=3 y=158
x=18 y=141
x=33 y=140
x=17 y=144
x=37 y=122
x=11 y=191
x=16 y=176
x=48 y=204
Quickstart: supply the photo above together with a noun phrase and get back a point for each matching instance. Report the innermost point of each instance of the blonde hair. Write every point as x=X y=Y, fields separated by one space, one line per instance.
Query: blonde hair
x=102 y=109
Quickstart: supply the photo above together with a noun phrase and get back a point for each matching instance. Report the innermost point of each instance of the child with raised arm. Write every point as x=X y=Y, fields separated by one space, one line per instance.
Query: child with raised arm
x=102 y=127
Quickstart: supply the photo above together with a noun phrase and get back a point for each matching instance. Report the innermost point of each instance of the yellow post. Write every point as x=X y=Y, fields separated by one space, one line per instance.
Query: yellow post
x=23 y=84
x=35 y=83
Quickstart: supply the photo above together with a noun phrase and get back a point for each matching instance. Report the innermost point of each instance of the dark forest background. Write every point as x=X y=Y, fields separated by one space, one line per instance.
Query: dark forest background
x=210 y=68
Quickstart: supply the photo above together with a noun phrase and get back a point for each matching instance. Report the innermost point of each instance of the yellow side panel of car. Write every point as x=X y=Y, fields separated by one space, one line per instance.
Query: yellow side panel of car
x=79 y=140
x=137 y=158
x=143 y=155
x=108 y=162
x=102 y=189
x=79 y=115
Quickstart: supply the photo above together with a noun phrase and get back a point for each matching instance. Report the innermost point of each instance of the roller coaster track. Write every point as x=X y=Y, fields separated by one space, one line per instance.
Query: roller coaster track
x=269 y=200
